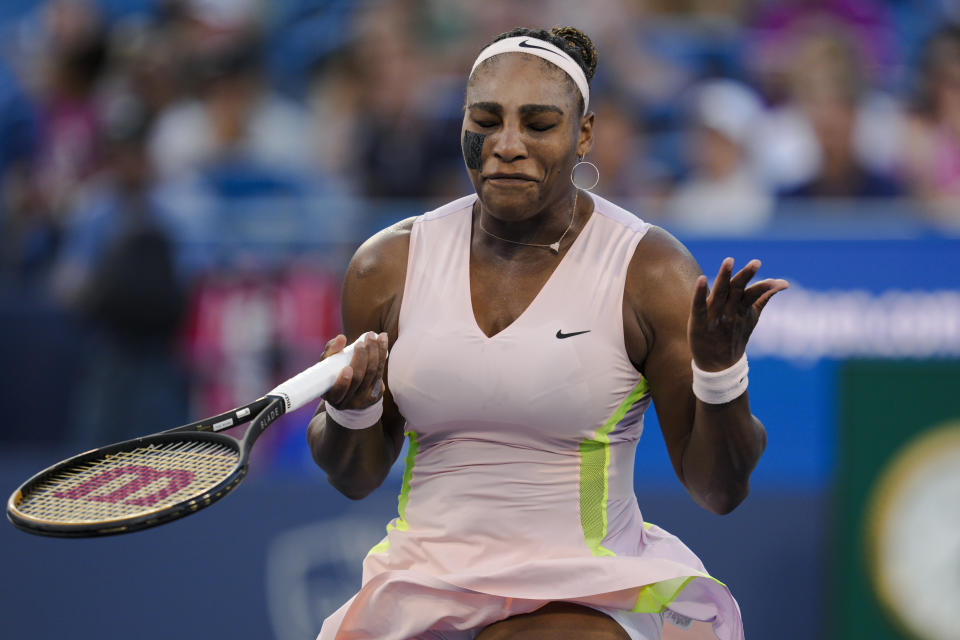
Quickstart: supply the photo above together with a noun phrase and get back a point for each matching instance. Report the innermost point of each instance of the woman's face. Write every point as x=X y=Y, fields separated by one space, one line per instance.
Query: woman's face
x=528 y=115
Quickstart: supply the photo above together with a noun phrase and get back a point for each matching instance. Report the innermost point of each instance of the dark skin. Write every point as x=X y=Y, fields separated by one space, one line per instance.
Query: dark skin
x=534 y=133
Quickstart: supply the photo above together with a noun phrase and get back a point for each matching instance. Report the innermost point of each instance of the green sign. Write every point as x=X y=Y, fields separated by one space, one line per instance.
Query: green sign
x=891 y=413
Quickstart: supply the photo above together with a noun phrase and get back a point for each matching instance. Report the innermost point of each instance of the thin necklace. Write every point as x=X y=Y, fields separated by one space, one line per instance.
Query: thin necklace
x=554 y=246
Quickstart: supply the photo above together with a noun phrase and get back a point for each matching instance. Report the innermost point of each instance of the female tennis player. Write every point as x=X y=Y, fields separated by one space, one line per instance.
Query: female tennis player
x=532 y=323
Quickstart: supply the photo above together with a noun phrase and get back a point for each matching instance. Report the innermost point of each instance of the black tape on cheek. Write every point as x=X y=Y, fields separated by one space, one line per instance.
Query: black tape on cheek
x=472 y=148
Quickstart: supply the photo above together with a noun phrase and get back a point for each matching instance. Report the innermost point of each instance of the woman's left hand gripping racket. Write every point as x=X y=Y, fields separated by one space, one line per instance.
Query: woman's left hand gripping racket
x=151 y=480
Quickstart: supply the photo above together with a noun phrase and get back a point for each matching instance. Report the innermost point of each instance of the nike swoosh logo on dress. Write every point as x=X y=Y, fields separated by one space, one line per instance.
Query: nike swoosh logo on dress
x=562 y=335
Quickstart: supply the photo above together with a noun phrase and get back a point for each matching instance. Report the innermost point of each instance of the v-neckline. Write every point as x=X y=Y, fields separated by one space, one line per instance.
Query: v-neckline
x=469 y=288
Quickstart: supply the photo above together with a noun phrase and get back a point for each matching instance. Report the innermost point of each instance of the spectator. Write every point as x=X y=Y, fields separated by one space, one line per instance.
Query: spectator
x=333 y=96
x=61 y=121
x=230 y=116
x=400 y=149
x=235 y=118
x=723 y=196
x=19 y=231
x=779 y=28
x=118 y=271
x=828 y=90
x=16 y=123
x=144 y=61
x=69 y=149
x=620 y=153
x=932 y=148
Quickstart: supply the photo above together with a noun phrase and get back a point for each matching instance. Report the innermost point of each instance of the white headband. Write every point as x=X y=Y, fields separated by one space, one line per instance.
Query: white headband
x=541 y=49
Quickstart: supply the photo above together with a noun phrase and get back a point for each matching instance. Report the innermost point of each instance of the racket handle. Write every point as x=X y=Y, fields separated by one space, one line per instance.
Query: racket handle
x=310 y=384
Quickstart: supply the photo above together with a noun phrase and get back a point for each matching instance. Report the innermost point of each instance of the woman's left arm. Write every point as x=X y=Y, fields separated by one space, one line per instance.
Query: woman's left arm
x=671 y=318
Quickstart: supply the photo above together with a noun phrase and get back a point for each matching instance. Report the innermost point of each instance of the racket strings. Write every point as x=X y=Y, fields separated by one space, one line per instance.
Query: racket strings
x=128 y=484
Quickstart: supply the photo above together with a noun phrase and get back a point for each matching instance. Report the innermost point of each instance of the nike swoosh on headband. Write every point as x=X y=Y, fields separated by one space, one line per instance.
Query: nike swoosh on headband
x=533 y=46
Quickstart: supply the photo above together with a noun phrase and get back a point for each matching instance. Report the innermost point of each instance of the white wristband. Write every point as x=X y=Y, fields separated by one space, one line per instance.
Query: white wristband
x=356 y=418
x=720 y=387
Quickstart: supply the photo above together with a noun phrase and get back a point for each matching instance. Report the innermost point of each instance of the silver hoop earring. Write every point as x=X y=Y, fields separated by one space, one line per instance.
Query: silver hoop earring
x=579 y=165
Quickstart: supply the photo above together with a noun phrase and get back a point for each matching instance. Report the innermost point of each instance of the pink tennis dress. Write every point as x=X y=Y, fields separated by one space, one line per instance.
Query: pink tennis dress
x=518 y=486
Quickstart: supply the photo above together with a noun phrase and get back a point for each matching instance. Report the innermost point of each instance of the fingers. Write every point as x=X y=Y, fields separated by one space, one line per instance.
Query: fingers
x=338 y=391
x=361 y=382
x=342 y=383
x=721 y=284
x=367 y=389
x=744 y=276
x=757 y=289
x=720 y=323
x=698 y=310
x=728 y=289
x=383 y=348
x=359 y=365
x=335 y=346
x=738 y=284
x=760 y=293
x=731 y=300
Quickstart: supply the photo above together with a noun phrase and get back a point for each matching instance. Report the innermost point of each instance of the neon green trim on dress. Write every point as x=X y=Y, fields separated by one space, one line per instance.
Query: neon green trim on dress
x=594 y=494
x=400 y=523
x=595 y=475
x=654 y=598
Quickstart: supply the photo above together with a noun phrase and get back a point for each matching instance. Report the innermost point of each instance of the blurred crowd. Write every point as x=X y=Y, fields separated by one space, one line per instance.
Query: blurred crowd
x=709 y=113
x=139 y=138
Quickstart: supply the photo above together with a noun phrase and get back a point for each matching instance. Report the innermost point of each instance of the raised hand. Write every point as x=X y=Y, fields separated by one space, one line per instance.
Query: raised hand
x=360 y=384
x=722 y=319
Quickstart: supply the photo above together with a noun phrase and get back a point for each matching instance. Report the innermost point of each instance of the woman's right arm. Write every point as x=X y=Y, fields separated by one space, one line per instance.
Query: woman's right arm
x=357 y=460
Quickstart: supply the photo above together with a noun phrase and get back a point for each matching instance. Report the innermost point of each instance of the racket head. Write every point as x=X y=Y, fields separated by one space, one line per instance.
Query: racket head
x=130 y=485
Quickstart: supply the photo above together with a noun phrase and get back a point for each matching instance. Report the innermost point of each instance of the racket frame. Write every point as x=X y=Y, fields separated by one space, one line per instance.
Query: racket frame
x=261 y=413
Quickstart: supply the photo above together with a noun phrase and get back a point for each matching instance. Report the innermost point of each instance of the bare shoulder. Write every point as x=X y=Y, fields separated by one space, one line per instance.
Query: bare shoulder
x=373 y=286
x=383 y=253
x=659 y=254
x=657 y=294
x=661 y=266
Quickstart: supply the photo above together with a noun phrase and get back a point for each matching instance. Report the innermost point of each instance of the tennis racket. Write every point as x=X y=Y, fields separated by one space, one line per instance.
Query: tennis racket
x=154 y=479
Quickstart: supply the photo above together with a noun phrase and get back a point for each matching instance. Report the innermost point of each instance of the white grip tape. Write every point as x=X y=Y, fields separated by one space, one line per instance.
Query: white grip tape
x=312 y=383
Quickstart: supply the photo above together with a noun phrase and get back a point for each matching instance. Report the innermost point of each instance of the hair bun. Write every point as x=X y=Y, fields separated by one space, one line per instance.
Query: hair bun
x=583 y=45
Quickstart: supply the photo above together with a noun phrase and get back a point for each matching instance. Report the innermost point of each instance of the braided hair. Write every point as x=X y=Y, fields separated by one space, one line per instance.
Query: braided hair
x=570 y=40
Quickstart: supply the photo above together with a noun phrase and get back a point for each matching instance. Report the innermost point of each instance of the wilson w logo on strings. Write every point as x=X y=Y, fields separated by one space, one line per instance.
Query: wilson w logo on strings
x=166 y=481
